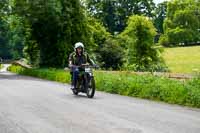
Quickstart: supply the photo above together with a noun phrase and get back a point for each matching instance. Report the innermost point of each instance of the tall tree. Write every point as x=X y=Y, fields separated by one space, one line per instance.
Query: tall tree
x=114 y=13
x=182 y=24
x=160 y=15
x=16 y=36
x=4 y=47
x=52 y=27
x=141 y=53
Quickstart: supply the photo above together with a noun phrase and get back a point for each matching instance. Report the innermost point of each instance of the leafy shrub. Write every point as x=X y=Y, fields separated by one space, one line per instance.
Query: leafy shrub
x=111 y=55
x=49 y=74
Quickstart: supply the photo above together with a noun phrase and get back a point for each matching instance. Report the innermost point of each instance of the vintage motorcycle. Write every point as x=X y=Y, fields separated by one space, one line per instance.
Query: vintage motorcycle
x=85 y=82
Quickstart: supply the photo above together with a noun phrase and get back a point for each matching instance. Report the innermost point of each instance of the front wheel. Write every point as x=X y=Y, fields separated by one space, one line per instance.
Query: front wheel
x=91 y=88
x=75 y=91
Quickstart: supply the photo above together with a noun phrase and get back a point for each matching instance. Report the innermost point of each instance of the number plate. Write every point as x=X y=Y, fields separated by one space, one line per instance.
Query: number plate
x=87 y=70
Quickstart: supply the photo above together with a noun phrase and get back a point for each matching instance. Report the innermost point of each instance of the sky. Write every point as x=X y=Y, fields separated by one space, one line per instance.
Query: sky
x=158 y=1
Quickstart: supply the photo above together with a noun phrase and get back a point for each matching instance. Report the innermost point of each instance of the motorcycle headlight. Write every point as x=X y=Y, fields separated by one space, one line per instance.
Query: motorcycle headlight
x=88 y=70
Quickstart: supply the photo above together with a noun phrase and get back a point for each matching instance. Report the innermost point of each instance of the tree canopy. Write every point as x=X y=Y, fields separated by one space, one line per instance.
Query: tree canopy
x=53 y=25
x=114 y=13
x=182 y=25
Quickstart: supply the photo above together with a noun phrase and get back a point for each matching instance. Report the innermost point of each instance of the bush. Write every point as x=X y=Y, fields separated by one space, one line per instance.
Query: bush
x=193 y=88
x=164 y=40
x=111 y=55
x=128 y=84
x=49 y=74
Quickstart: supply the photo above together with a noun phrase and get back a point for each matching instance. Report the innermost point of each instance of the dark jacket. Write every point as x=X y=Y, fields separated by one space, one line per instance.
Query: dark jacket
x=79 y=60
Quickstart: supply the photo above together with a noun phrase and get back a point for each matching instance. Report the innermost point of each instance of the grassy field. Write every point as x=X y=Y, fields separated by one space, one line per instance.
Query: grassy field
x=183 y=59
x=129 y=84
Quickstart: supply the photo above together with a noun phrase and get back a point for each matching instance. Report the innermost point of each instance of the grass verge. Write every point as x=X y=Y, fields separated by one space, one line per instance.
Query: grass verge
x=143 y=86
x=1 y=66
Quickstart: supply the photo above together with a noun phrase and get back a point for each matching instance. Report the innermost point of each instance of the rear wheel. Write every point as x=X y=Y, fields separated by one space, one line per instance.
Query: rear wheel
x=91 y=88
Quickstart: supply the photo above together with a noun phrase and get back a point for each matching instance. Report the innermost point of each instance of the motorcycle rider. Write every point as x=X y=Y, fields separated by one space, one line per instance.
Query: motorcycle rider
x=77 y=58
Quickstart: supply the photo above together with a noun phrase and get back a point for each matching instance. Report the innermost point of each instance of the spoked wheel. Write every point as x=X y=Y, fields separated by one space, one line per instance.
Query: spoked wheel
x=91 y=88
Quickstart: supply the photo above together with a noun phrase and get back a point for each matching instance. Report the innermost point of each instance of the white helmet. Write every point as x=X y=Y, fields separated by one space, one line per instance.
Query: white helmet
x=78 y=45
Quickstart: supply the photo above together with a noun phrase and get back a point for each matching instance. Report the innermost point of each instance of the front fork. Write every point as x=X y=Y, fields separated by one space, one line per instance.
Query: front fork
x=83 y=82
x=87 y=80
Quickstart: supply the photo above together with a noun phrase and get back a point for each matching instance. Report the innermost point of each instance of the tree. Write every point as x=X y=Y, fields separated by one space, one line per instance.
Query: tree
x=182 y=24
x=16 y=36
x=114 y=13
x=138 y=36
x=52 y=27
x=160 y=15
x=98 y=34
x=4 y=47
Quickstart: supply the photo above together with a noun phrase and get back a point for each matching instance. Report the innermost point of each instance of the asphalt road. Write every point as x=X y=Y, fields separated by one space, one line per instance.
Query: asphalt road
x=30 y=105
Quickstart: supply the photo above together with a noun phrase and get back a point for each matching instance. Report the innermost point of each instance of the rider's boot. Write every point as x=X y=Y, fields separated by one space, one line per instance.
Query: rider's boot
x=72 y=87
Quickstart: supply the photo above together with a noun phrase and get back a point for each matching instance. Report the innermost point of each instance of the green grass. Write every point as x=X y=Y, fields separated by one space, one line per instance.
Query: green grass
x=128 y=84
x=183 y=59
x=49 y=74
x=1 y=66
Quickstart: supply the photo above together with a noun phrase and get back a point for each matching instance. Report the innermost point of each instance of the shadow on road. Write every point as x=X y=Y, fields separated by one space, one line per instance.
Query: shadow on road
x=81 y=96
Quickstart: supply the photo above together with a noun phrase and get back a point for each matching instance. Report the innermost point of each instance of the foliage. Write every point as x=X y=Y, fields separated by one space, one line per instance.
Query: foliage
x=160 y=15
x=11 y=29
x=98 y=35
x=97 y=32
x=44 y=32
x=4 y=48
x=114 y=13
x=49 y=74
x=16 y=36
x=128 y=84
x=182 y=24
x=4 y=4
x=111 y=55
x=51 y=26
x=141 y=51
